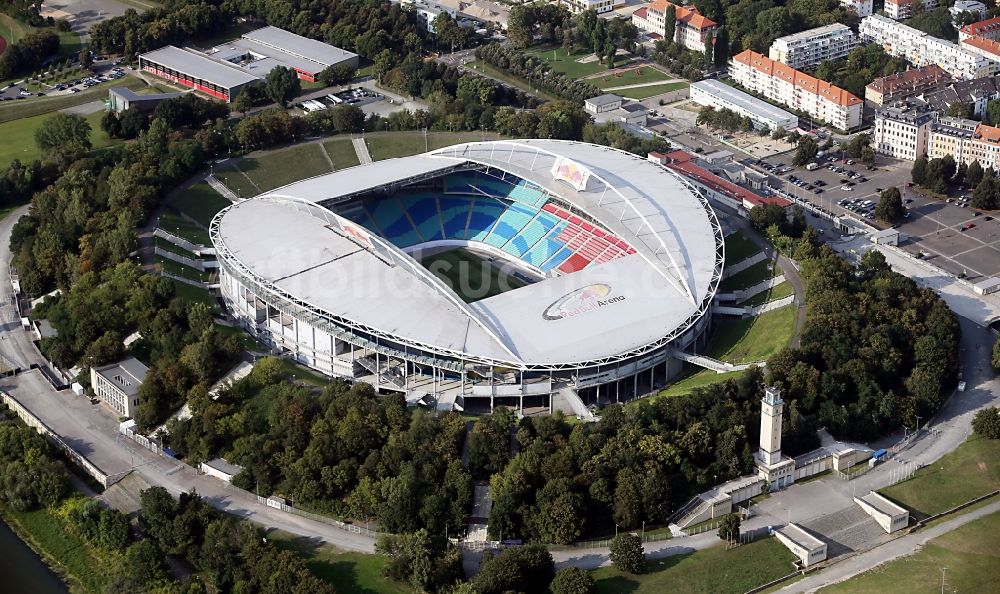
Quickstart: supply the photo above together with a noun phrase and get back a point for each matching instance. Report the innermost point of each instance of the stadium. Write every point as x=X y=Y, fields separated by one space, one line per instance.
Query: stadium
x=523 y=273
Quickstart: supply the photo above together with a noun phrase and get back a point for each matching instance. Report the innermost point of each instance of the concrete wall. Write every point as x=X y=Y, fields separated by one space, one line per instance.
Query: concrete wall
x=743 y=264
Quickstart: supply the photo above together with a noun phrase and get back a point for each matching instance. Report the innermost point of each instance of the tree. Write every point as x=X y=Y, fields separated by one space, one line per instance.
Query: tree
x=573 y=580
x=857 y=144
x=244 y=102
x=670 y=23
x=993 y=112
x=987 y=422
x=805 y=152
x=86 y=58
x=960 y=110
x=987 y=194
x=627 y=554
x=527 y=569
x=281 y=85
x=890 y=206
x=63 y=138
x=729 y=528
x=918 y=173
x=779 y=133
x=338 y=74
x=973 y=174
x=995 y=358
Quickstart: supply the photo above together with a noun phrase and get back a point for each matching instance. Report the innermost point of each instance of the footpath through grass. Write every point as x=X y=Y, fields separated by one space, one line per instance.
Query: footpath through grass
x=711 y=571
x=283 y=166
x=510 y=79
x=19 y=138
x=342 y=153
x=971 y=554
x=63 y=550
x=972 y=470
x=745 y=340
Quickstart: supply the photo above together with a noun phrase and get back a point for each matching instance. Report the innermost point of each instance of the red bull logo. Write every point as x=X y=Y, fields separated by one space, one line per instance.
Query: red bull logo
x=581 y=301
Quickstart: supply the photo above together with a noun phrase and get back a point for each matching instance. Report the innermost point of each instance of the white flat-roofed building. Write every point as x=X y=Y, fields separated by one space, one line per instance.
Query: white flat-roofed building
x=809 y=549
x=713 y=93
x=808 y=48
x=965 y=6
x=863 y=8
x=902 y=133
x=798 y=90
x=221 y=469
x=889 y=516
x=598 y=6
x=903 y=9
x=117 y=384
x=921 y=49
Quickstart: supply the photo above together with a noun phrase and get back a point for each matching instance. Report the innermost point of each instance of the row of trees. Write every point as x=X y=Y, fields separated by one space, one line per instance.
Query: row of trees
x=725 y=119
x=940 y=174
x=536 y=71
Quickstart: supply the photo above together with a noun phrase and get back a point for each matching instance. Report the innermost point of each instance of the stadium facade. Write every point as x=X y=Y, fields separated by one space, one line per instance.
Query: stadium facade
x=619 y=259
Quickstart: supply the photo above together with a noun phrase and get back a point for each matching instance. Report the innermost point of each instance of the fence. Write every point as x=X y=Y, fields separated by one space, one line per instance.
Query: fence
x=605 y=543
x=281 y=505
x=33 y=421
x=150 y=444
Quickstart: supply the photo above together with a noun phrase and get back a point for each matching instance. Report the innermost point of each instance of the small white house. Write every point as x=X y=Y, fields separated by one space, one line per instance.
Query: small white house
x=220 y=469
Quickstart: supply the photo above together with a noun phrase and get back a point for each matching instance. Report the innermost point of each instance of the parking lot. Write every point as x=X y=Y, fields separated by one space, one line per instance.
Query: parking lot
x=956 y=238
x=102 y=71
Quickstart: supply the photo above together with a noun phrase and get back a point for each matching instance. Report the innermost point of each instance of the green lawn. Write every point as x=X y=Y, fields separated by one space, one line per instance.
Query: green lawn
x=19 y=137
x=746 y=340
x=640 y=93
x=195 y=294
x=567 y=64
x=46 y=532
x=403 y=144
x=235 y=181
x=636 y=76
x=510 y=79
x=739 y=247
x=776 y=292
x=698 y=379
x=745 y=279
x=973 y=469
x=181 y=227
x=346 y=572
x=971 y=554
x=200 y=202
x=13 y=30
x=342 y=153
x=304 y=375
x=15 y=110
x=469 y=275
x=711 y=571
x=284 y=166
x=163 y=244
x=179 y=269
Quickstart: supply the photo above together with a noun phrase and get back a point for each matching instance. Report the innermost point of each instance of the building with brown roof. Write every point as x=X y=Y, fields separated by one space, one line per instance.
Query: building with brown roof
x=901 y=85
x=988 y=48
x=691 y=28
x=798 y=90
x=989 y=29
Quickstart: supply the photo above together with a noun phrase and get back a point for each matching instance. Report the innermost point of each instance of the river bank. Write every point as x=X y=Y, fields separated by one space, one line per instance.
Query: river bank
x=26 y=569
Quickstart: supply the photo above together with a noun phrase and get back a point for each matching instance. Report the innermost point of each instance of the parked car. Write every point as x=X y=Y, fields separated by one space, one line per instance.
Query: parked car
x=846 y=188
x=968 y=226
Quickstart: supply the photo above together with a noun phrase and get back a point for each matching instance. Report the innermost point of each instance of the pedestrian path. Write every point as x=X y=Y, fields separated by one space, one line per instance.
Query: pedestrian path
x=222 y=189
x=362 y=150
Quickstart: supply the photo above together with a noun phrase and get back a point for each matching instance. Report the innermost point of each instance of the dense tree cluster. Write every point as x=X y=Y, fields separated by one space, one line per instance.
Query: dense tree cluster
x=936 y=23
x=344 y=451
x=805 y=151
x=102 y=526
x=755 y=24
x=987 y=423
x=876 y=350
x=30 y=475
x=636 y=464
x=940 y=174
x=28 y=53
x=725 y=119
x=864 y=64
x=428 y=563
x=528 y=570
x=536 y=71
x=679 y=59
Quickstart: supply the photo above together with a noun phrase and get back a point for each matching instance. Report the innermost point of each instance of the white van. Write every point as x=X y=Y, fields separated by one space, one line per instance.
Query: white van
x=812 y=166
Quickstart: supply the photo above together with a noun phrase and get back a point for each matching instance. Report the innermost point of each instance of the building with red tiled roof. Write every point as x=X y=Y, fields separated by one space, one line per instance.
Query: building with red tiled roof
x=903 y=9
x=984 y=46
x=901 y=85
x=723 y=191
x=990 y=29
x=798 y=90
x=691 y=28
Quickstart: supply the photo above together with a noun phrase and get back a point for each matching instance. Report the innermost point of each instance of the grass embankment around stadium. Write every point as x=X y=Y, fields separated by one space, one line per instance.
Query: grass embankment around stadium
x=971 y=471
x=469 y=275
x=746 y=340
x=19 y=138
x=970 y=556
x=710 y=571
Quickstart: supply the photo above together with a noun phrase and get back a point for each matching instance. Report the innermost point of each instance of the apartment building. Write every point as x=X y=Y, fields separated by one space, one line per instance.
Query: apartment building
x=902 y=133
x=118 y=385
x=903 y=9
x=691 y=29
x=713 y=93
x=863 y=8
x=598 y=6
x=977 y=93
x=988 y=29
x=901 y=85
x=966 y=141
x=808 y=48
x=961 y=7
x=921 y=49
x=797 y=90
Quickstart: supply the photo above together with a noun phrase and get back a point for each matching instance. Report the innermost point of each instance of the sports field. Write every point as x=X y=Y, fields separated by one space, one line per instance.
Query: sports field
x=472 y=277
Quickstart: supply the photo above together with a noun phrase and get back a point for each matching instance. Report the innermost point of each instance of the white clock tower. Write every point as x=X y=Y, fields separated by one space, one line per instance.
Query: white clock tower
x=771 y=465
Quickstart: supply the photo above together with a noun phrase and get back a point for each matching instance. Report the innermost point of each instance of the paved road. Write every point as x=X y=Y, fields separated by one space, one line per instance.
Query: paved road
x=895 y=549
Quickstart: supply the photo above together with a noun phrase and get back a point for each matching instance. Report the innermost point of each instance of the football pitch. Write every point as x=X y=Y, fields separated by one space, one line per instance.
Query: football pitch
x=470 y=276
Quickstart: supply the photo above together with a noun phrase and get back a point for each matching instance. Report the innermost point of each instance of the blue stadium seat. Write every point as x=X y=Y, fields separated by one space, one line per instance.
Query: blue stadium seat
x=528 y=195
x=388 y=215
x=543 y=250
x=454 y=215
x=556 y=260
x=485 y=213
x=424 y=212
x=513 y=219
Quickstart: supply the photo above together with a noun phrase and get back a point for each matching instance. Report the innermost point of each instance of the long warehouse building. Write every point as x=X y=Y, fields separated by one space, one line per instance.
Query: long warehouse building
x=225 y=70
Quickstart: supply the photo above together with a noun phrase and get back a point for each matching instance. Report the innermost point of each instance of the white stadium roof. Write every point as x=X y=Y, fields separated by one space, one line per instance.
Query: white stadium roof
x=298 y=248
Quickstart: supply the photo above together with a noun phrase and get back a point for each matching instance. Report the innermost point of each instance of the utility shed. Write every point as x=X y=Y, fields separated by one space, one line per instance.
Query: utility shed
x=809 y=549
x=889 y=516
